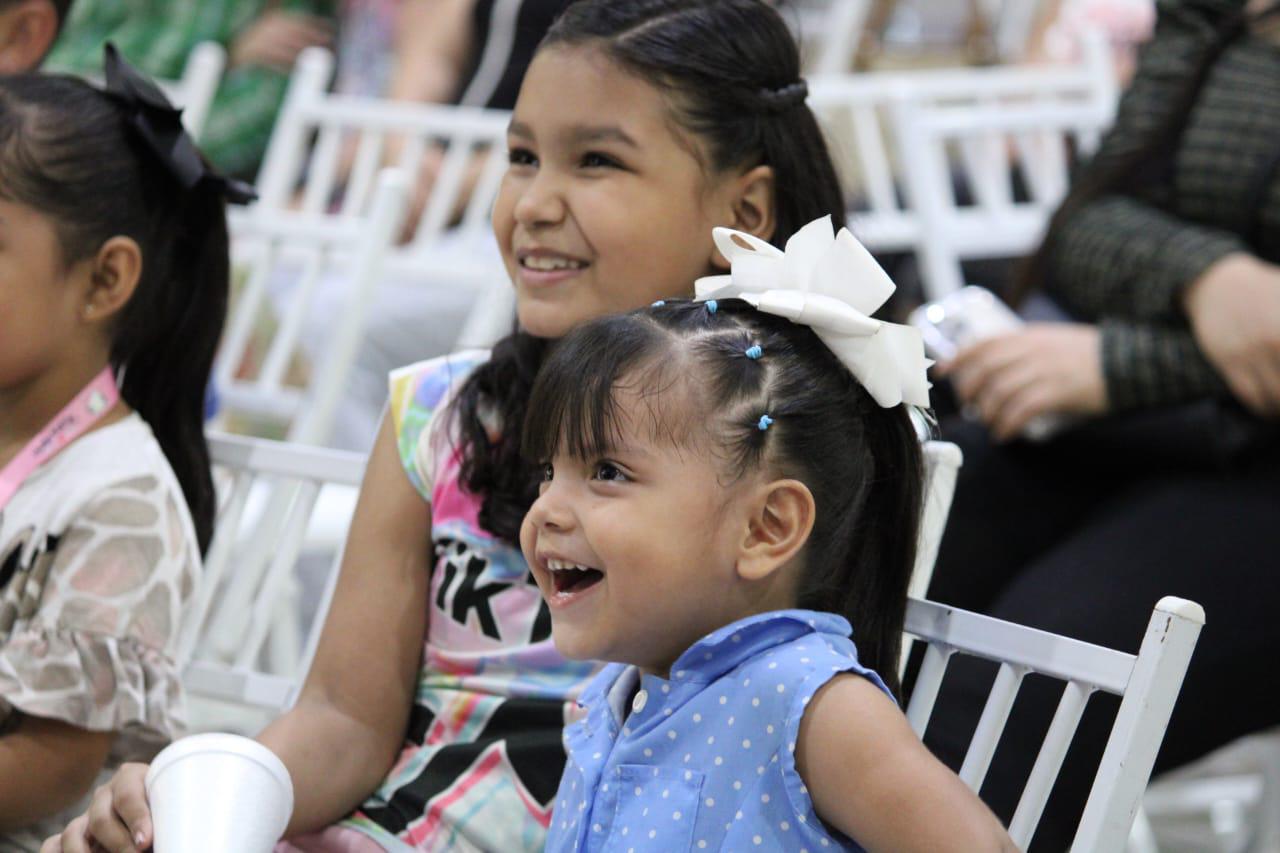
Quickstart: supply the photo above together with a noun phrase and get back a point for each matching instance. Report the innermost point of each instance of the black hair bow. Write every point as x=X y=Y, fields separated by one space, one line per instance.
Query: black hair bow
x=158 y=125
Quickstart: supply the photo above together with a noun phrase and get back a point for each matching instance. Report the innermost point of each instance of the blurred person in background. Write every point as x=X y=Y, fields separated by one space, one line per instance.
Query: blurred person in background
x=262 y=38
x=1165 y=476
x=27 y=30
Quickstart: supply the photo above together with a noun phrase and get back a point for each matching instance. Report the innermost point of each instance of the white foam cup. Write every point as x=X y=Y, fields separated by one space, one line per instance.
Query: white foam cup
x=216 y=793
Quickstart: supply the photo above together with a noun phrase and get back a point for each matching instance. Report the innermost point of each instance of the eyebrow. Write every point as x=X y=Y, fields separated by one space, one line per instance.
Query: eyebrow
x=581 y=133
x=602 y=133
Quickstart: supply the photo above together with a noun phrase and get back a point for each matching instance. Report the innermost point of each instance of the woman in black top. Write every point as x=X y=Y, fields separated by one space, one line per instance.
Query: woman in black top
x=1165 y=254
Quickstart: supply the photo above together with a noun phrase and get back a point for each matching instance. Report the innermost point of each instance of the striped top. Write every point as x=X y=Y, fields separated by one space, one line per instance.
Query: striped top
x=1123 y=261
x=158 y=35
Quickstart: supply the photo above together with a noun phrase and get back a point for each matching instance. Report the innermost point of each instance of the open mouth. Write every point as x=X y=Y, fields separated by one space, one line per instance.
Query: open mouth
x=569 y=577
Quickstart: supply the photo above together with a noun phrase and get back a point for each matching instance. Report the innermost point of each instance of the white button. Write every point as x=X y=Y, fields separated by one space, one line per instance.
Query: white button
x=638 y=703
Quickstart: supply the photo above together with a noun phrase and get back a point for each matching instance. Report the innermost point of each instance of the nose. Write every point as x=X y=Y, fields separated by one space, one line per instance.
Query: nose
x=541 y=201
x=551 y=512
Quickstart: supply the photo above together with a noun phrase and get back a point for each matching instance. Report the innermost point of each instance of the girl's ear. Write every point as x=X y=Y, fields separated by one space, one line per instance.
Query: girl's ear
x=113 y=278
x=751 y=208
x=778 y=527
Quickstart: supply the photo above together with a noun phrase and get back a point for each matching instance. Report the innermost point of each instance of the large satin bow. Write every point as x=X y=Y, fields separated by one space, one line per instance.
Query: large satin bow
x=833 y=285
x=158 y=125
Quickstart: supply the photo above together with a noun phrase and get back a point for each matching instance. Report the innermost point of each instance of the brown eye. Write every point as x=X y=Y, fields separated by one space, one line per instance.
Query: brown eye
x=521 y=157
x=596 y=160
x=548 y=472
x=609 y=473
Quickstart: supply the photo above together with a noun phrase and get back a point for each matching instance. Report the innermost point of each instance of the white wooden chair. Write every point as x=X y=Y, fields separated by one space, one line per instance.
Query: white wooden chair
x=1226 y=802
x=871 y=120
x=990 y=142
x=321 y=157
x=286 y=250
x=1147 y=683
x=306 y=154
x=246 y=674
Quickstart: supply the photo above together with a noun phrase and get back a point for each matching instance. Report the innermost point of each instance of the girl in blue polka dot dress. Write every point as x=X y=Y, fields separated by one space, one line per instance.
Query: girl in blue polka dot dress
x=729 y=484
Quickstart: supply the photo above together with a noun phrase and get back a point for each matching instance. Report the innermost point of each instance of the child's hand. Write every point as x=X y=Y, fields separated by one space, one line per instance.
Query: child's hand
x=118 y=819
x=1043 y=369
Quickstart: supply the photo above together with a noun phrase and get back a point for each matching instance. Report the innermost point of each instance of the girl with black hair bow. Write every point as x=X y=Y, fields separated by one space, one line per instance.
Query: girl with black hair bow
x=113 y=290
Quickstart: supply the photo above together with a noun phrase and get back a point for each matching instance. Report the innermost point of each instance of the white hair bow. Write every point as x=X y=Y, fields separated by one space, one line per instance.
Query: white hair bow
x=832 y=285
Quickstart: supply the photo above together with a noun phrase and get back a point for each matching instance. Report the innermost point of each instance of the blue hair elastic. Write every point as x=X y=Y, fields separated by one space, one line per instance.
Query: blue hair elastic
x=659 y=303
x=754 y=352
x=764 y=422
x=711 y=306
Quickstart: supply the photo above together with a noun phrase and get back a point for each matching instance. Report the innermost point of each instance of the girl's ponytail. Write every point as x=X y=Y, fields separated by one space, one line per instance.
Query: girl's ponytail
x=805 y=184
x=166 y=343
x=886 y=537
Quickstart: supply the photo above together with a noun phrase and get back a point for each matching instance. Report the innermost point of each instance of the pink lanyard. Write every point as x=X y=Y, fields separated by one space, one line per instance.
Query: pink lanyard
x=94 y=400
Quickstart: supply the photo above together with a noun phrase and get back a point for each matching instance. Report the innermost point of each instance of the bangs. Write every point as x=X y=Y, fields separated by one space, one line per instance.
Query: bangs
x=607 y=379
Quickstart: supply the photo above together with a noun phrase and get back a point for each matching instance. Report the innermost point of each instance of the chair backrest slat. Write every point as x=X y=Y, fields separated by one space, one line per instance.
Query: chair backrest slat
x=322 y=172
x=369 y=153
x=216 y=561
x=282 y=559
x=247 y=306
x=480 y=205
x=451 y=244
x=991 y=724
x=308 y=263
x=1052 y=753
x=928 y=683
x=446 y=190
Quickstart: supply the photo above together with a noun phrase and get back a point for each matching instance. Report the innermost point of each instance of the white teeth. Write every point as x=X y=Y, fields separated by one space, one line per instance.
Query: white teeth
x=545 y=264
x=562 y=566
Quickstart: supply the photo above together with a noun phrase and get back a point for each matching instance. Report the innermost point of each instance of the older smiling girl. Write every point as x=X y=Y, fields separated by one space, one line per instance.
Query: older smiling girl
x=432 y=717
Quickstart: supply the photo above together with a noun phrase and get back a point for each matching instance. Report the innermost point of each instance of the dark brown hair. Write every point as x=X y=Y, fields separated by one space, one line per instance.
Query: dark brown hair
x=691 y=366
x=741 y=97
x=67 y=152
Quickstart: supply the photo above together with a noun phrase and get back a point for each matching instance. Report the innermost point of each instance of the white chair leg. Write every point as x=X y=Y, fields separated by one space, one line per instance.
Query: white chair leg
x=284 y=643
x=1142 y=839
x=1268 y=835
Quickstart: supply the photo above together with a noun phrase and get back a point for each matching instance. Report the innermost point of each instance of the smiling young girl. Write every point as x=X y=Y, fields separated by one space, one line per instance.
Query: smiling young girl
x=437 y=693
x=724 y=491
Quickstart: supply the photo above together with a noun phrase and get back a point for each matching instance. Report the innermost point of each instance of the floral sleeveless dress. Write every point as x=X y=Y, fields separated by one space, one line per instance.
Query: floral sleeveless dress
x=483 y=754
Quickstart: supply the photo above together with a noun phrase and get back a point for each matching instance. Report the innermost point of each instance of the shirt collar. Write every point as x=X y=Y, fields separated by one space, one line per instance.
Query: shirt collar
x=725 y=648
x=721 y=651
